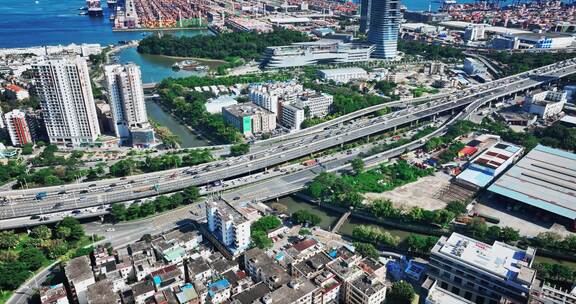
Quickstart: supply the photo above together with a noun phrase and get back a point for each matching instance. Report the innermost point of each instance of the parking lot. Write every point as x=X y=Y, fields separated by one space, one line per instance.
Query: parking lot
x=527 y=224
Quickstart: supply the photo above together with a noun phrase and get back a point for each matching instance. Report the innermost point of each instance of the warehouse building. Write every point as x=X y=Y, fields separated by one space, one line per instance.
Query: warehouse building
x=543 y=180
x=489 y=164
x=343 y=75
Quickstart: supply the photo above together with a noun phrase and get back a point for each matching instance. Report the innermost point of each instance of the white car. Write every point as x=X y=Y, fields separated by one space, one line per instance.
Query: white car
x=110 y=229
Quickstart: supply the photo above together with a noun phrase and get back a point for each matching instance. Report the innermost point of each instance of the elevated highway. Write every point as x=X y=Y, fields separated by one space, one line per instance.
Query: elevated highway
x=22 y=203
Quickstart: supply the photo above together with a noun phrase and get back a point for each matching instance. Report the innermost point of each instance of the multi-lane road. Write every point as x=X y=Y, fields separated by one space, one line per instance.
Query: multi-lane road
x=22 y=203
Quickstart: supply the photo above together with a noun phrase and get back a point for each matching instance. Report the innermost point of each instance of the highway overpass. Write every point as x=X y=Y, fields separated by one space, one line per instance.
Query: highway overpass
x=23 y=202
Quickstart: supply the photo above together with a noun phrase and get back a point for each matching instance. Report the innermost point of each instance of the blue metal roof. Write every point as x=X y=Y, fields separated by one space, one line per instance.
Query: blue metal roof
x=544 y=178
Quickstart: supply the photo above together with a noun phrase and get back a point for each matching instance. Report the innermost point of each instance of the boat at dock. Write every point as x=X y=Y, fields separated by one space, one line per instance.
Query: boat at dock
x=185 y=65
x=94 y=8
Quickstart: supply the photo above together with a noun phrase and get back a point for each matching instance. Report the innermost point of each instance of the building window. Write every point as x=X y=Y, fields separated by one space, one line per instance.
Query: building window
x=455 y=290
x=444 y=285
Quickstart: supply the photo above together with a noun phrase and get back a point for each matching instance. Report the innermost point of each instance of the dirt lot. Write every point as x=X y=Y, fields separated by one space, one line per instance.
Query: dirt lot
x=420 y=193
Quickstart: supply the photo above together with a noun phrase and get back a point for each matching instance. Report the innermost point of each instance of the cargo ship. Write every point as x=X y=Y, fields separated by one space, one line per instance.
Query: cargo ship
x=94 y=8
x=112 y=3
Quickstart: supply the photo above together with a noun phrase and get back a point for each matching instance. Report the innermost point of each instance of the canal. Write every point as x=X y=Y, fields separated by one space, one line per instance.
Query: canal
x=188 y=139
x=329 y=218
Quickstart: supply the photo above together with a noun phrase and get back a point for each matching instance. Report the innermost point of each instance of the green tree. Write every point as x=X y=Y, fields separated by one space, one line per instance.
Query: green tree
x=366 y=250
x=266 y=223
x=41 y=232
x=55 y=248
x=76 y=229
x=547 y=239
x=401 y=292
x=190 y=194
x=63 y=232
x=239 y=149
x=27 y=149
x=133 y=211
x=307 y=113
x=147 y=209
x=12 y=275
x=306 y=217
x=457 y=207
x=119 y=212
x=8 y=239
x=32 y=257
x=384 y=208
x=478 y=228
x=357 y=165
x=260 y=239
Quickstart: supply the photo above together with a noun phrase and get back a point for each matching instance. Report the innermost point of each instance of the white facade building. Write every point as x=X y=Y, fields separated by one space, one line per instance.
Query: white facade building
x=63 y=86
x=18 y=128
x=292 y=116
x=126 y=97
x=229 y=226
x=215 y=105
x=547 y=104
x=366 y=289
x=310 y=53
x=319 y=104
x=474 y=67
x=475 y=32
x=79 y=276
x=480 y=272
x=249 y=118
x=268 y=95
x=343 y=75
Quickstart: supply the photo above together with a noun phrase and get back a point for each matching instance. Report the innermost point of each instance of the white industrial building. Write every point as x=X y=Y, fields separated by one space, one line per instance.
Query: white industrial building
x=474 y=67
x=318 y=104
x=480 y=272
x=215 y=105
x=63 y=86
x=545 y=40
x=474 y=32
x=343 y=75
x=292 y=116
x=546 y=104
x=310 y=53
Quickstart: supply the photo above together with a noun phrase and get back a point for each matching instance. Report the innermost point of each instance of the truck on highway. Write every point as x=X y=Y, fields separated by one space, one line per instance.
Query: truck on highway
x=143 y=189
x=41 y=195
x=310 y=162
